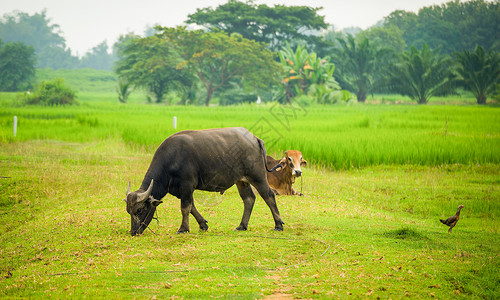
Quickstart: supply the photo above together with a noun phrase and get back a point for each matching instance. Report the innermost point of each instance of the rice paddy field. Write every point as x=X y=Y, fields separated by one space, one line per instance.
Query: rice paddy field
x=379 y=178
x=338 y=137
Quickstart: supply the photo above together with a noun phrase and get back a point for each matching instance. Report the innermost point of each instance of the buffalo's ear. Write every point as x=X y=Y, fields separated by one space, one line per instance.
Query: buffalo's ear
x=154 y=202
x=303 y=163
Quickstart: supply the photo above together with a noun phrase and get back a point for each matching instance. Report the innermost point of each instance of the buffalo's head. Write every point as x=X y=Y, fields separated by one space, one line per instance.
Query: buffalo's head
x=141 y=206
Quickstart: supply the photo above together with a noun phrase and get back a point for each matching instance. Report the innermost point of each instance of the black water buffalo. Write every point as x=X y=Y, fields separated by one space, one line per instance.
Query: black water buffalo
x=210 y=160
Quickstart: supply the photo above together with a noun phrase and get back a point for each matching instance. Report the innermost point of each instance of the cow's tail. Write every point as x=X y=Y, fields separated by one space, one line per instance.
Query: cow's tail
x=264 y=155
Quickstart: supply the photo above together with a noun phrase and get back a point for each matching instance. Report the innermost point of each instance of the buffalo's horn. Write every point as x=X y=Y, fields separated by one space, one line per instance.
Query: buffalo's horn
x=144 y=196
x=128 y=189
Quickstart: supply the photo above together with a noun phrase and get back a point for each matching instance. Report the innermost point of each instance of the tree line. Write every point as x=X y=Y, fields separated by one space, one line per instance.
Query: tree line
x=48 y=43
x=247 y=50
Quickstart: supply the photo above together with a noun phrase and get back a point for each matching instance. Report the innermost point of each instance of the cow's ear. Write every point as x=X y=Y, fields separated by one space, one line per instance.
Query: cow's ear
x=303 y=163
x=282 y=163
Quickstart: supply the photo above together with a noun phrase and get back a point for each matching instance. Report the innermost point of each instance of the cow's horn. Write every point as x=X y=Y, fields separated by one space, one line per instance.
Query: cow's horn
x=144 y=196
x=128 y=189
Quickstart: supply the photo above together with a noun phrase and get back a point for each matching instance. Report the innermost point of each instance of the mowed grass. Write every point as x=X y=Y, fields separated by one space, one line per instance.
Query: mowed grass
x=379 y=179
x=370 y=232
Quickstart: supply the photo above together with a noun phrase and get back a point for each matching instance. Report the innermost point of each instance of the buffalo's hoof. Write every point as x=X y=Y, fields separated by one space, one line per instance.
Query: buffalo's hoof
x=241 y=228
x=278 y=229
x=203 y=227
x=182 y=231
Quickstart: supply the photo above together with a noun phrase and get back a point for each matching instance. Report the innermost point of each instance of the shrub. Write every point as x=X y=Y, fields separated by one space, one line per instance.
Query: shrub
x=53 y=92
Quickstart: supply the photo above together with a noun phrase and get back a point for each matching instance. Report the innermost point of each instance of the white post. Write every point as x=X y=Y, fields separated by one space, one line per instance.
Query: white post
x=15 y=126
x=174 y=122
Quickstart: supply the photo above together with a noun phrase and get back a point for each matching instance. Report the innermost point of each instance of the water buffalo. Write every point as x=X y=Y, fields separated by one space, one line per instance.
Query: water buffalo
x=209 y=160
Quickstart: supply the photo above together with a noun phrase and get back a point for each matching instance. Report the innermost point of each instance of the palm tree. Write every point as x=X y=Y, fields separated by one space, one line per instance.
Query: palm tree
x=123 y=90
x=421 y=74
x=479 y=71
x=359 y=65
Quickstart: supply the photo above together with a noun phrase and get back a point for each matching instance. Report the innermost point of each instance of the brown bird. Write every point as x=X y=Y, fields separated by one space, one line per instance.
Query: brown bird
x=452 y=221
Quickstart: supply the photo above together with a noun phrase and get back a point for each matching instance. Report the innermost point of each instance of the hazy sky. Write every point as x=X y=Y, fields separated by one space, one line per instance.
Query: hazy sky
x=86 y=23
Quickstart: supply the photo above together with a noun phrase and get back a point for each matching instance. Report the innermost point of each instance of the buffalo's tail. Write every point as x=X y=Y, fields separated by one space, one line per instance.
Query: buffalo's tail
x=264 y=155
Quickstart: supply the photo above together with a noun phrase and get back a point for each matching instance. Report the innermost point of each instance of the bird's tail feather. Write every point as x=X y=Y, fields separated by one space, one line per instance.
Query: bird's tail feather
x=442 y=221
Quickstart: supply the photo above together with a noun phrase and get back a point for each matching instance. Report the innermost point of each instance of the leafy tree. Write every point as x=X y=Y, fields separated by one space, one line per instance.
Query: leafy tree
x=479 y=71
x=98 y=58
x=17 y=66
x=272 y=25
x=421 y=74
x=452 y=26
x=359 y=64
x=36 y=30
x=53 y=92
x=389 y=37
x=218 y=59
x=153 y=64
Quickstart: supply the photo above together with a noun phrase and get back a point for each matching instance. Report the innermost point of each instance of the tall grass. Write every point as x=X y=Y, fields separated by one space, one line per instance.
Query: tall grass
x=340 y=137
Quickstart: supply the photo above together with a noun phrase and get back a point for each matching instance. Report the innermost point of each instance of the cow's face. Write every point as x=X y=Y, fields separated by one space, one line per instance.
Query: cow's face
x=141 y=206
x=293 y=160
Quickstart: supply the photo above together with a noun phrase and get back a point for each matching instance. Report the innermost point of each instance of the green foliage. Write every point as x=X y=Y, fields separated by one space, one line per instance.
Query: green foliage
x=275 y=26
x=453 y=26
x=422 y=74
x=361 y=65
x=306 y=73
x=17 y=66
x=389 y=37
x=153 y=64
x=324 y=94
x=98 y=58
x=36 y=30
x=219 y=59
x=479 y=72
x=51 y=93
x=123 y=90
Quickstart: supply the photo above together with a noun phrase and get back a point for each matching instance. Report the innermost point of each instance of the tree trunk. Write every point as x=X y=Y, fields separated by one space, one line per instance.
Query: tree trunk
x=422 y=100
x=361 y=95
x=481 y=99
x=209 y=96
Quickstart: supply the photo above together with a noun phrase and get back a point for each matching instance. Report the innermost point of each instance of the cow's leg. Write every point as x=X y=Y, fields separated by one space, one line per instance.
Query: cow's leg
x=199 y=218
x=186 y=208
x=248 y=197
x=268 y=196
x=294 y=192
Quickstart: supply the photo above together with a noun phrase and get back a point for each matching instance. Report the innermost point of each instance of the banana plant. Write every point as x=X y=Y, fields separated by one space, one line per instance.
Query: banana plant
x=303 y=70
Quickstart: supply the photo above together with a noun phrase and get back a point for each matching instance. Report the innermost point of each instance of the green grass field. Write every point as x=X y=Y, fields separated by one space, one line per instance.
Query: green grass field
x=379 y=179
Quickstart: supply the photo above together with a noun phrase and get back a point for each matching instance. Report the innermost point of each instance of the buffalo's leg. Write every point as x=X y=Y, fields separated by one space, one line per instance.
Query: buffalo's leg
x=186 y=208
x=248 y=197
x=268 y=196
x=199 y=218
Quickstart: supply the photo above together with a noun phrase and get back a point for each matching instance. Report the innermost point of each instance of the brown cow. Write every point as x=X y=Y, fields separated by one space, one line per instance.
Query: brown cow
x=283 y=177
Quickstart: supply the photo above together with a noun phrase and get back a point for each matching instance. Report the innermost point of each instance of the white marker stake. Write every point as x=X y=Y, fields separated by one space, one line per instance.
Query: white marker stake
x=174 y=122
x=15 y=126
